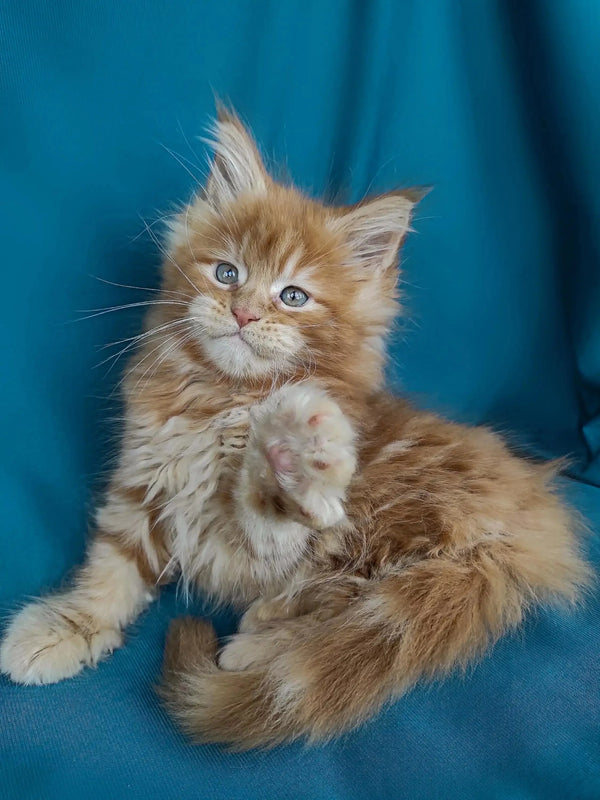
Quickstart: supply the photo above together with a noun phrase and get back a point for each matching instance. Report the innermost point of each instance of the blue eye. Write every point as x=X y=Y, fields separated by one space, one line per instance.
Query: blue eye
x=293 y=296
x=227 y=273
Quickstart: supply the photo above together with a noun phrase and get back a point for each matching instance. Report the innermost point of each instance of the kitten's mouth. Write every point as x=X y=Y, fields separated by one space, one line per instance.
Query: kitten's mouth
x=245 y=349
x=237 y=335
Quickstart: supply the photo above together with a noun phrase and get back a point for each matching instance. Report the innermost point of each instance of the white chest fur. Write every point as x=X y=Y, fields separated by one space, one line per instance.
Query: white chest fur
x=231 y=553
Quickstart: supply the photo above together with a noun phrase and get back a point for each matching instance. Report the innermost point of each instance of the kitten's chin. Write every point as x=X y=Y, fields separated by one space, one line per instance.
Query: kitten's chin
x=238 y=359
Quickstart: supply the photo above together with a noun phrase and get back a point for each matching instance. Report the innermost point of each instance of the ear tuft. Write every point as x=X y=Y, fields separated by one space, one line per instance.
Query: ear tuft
x=374 y=229
x=237 y=167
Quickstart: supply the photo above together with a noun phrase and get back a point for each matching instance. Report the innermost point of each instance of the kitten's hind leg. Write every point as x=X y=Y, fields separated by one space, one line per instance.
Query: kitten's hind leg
x=321 y=599
x=315 y=677
x=55 y=637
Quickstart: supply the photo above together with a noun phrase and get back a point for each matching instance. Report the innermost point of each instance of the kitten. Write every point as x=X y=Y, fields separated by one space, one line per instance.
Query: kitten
x=263 y=464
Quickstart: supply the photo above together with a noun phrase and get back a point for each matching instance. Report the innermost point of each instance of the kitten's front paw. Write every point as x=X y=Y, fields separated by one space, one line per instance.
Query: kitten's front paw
x=43 y=645
x=309 y=445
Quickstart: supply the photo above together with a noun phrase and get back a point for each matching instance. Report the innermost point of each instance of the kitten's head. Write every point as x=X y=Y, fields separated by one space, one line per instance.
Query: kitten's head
x=276 y=284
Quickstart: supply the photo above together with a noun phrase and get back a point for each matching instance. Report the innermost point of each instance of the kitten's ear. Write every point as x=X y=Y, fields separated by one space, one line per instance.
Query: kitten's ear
x=237 y=167
x=374 y=229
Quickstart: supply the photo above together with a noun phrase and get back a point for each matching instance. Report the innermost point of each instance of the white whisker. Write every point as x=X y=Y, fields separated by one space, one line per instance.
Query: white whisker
x=152 y=224
x=135 y=340
x=186 y=336
x=170 y=258
x=98 y=312
x=143 y=288
x=180 y=160
x=196 y=162
x=137 y=364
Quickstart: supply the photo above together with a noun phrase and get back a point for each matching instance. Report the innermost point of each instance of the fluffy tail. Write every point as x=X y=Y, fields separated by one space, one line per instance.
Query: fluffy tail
x=313 y=677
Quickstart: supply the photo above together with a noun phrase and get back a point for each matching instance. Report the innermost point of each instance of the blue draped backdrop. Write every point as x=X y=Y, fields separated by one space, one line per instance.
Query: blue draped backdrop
x=495 y=103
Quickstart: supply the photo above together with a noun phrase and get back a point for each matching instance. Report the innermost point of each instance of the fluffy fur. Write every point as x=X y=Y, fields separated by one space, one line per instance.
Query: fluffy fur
x=262 y=462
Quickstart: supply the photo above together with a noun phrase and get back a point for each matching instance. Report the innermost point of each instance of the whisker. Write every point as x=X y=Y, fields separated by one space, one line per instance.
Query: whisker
x=169 y=257
x=374 y=178
x=98 y=312
x=136 y=340
x=191 y=149
x=162 y=218
x=179 y=342
x=180 y=159
x=142 y=334
x=137 y=364
x=187 y=229
x=142 y=288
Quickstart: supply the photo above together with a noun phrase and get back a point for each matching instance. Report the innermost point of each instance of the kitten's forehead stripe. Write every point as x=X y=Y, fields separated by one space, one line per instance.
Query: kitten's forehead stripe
x=291 y=264
x=304 y=275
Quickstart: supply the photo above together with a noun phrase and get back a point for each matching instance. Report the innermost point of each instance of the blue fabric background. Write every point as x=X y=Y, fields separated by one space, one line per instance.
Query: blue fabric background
x=495 y=103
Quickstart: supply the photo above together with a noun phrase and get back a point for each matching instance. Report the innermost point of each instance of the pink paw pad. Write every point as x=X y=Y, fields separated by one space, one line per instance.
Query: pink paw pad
x=280 y=459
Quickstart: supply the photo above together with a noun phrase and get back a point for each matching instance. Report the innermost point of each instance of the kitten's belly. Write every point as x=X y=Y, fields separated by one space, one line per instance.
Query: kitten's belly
x=184 y=464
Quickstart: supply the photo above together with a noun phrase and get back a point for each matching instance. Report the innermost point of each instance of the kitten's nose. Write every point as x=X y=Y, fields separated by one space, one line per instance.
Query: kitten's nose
x=244 y=316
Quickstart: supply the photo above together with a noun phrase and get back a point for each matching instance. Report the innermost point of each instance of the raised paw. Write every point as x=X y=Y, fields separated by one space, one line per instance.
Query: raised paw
x=309 y=446
x=44 y=644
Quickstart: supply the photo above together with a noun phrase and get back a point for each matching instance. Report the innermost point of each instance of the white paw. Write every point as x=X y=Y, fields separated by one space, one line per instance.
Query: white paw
x=41 y=645
x=309 y=444
x=240 y=653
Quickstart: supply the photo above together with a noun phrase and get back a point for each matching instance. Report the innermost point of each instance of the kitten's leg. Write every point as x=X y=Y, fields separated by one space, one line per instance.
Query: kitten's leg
x=321 y=599
x=244 y=648
x=301 y=454
x=265 y=610
x=316 y=678
x=56 y=636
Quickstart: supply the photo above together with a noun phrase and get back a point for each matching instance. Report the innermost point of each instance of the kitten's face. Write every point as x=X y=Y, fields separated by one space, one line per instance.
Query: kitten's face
x=271 y=295
x=275 y=283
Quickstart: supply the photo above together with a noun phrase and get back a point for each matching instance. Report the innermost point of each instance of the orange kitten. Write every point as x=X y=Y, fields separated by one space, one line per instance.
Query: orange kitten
x=262 y=462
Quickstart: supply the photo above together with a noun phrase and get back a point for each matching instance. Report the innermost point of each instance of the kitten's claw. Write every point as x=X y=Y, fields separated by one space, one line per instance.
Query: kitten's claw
x=309 y=446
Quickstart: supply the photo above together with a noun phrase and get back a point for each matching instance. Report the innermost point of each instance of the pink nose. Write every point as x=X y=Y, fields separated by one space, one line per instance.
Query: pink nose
x=244 y=316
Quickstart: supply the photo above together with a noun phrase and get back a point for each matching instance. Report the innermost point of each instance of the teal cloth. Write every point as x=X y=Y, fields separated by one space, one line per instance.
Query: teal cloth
x=495 y=103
